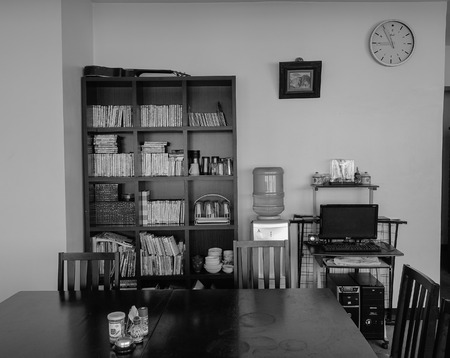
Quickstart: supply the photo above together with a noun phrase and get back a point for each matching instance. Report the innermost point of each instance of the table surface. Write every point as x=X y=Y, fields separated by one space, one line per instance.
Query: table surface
x=183 y=323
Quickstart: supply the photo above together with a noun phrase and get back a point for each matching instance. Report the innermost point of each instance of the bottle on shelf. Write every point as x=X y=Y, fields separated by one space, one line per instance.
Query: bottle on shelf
x=357 y=176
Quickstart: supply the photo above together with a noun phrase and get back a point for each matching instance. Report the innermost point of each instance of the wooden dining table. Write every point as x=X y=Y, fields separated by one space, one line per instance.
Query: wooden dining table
x=226 y=323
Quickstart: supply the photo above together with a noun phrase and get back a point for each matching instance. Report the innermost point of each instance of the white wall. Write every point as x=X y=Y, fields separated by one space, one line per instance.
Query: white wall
x=32 y=188
x=389 y=120
x=41 y=211
x=77 y=53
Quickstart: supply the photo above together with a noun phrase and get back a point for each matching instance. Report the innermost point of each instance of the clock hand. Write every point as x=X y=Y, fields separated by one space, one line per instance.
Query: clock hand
x=389 y=37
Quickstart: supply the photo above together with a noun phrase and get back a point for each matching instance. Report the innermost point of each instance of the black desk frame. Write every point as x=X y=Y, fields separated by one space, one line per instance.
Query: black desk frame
x=302 y=220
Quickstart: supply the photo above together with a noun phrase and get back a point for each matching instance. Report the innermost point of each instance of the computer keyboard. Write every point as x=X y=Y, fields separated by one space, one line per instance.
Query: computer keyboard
x=351 y=247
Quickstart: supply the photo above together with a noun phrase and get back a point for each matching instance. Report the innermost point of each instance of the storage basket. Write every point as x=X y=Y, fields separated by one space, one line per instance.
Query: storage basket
x=113 y=213
x=106 y=192
x=212 y=209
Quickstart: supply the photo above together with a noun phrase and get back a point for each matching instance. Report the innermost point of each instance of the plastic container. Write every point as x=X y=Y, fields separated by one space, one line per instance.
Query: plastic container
x=365 y=178
x=268 y=194
x=116 y=326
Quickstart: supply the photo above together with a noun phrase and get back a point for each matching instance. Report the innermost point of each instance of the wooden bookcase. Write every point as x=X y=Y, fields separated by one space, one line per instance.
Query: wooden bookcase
x=199 y=94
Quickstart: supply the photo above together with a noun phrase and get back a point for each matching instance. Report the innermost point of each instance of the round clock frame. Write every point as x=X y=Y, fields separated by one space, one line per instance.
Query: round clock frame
x=392 y=43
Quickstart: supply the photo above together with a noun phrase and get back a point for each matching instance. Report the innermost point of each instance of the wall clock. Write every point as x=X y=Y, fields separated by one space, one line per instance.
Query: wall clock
x=392 y=43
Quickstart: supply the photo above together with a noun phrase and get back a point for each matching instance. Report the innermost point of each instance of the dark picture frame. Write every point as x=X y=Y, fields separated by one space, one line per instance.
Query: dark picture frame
x=300 y=79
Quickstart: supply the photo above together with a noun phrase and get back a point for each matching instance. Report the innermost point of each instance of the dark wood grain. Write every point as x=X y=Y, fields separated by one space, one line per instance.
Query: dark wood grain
x=53 y=324
x=256 y=323
x=183 y=323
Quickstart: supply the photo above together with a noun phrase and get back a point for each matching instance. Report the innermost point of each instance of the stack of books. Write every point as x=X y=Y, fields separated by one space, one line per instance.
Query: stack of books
x=105 y=143
x=156 y=162
x=106 y=161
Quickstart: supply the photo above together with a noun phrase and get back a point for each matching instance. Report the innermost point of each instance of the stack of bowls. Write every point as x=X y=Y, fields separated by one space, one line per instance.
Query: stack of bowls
x=213 y=262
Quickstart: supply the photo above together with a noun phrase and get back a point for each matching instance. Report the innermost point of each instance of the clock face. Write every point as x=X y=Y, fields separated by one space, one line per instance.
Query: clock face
x=392 y=43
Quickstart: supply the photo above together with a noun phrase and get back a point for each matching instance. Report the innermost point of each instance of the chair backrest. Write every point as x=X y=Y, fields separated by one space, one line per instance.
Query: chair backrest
x=252 y=263
x=442 y=343
x=417 y=310
x=91 y=266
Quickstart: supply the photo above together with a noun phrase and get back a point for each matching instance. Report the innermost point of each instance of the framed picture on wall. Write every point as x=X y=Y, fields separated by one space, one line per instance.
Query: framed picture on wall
x=300 y=79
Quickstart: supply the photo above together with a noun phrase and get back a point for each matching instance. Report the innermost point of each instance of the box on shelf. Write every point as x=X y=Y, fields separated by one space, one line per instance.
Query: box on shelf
x=113 y=213
x=106 y=192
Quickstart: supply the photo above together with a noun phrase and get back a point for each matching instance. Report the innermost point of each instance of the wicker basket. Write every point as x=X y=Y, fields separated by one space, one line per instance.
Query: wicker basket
x=106 y=192
x=212 y=209
x=113 y=213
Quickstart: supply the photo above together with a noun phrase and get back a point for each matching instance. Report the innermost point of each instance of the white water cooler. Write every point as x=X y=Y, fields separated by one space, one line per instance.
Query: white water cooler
x=270 y=229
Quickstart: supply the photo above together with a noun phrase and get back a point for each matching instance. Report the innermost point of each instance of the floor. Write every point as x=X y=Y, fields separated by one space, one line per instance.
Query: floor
x=377 y=345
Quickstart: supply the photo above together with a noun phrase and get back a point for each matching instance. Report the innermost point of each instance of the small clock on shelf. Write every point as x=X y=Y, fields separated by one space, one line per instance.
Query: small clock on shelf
x=392 y=43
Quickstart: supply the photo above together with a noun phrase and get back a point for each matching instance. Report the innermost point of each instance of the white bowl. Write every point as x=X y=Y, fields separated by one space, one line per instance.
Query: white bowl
x=227 y=268
x=215 y=270
x=215 y=251
x=212 y=260
x=213 y=266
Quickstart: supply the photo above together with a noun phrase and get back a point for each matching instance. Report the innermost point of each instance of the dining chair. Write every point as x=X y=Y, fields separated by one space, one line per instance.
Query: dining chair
x=442 y=342
x=417 y=311
x=261 y=264
x=88 y=265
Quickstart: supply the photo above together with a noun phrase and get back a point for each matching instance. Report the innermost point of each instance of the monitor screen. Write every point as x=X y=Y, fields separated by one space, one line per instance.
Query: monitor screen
x=352 y=221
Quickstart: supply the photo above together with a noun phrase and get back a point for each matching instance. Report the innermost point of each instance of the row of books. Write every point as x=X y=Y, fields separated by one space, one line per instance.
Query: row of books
x=160 y=212
x=160 y=245
x=111 y=165
x=165 y=212
x=128 y=263
x=216 y=119
x=155 y=265
x=161 y=115
x=162 y=164
x=109 y=116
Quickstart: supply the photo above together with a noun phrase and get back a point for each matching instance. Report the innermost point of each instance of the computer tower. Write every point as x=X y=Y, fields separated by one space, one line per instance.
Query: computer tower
x=372 y=313
x=347 y=293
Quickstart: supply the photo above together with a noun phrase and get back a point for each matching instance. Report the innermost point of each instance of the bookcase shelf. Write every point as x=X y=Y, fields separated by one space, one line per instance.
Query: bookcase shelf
x=121 y=108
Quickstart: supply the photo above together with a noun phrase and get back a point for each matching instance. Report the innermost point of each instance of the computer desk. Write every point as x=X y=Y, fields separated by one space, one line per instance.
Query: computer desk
x=387 y=254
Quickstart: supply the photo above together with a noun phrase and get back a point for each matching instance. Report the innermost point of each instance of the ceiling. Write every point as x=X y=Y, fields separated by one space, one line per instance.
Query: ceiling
x=447 y=37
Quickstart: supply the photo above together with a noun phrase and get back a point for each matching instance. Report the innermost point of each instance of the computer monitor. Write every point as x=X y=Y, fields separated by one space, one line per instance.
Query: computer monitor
x=348 y=221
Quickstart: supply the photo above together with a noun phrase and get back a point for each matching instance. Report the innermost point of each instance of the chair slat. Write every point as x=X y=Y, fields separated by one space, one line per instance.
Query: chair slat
x=71 y=275
x=276 y=266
